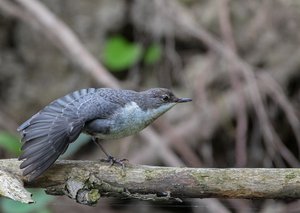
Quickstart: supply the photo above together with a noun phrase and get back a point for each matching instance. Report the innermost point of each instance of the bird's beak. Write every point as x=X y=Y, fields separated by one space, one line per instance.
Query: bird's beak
x=182 y=100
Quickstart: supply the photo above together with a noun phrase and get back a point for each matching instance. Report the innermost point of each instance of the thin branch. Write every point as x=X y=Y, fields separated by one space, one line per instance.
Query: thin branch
x=241 y=129
x=35 y=14
x=185 y=21
x=278 y=95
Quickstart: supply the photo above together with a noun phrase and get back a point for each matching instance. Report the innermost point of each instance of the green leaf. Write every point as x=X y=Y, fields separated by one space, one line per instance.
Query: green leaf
x=152 y=54
x=41 y=200
x=120 y=54
x=10 y=143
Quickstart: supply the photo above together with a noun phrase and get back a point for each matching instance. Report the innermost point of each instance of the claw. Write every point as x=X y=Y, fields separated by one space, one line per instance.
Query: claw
x=112 y=160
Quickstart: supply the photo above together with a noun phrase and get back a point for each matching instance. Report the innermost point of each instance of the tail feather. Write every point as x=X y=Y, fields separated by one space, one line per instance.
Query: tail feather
x=47 y=134
x=32 y=160
x=28 y=144
x=39 y=159
x=33 y=134
x=36 y=149
x=41 y=147
x=37 y=171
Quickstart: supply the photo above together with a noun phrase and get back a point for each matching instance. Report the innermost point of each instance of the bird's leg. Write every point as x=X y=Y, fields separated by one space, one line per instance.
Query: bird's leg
x=112 y=160
x=96 y=141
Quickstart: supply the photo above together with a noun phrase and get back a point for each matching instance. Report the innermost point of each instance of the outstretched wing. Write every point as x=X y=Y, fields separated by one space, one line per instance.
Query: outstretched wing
x=47 y=134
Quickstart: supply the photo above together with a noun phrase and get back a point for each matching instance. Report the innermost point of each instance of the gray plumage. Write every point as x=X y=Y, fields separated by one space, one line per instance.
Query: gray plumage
x=104 y=113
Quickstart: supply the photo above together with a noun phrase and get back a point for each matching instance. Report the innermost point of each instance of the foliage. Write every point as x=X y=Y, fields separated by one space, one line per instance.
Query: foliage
x=10 y=143
x=40 y=206
x=152 y=54
x=120 y=54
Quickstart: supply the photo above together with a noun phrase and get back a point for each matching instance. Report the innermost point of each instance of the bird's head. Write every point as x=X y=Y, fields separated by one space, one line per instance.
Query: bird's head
x=160 y=100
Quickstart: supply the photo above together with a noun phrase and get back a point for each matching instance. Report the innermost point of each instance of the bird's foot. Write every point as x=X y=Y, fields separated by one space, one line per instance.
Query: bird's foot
x=112 y=160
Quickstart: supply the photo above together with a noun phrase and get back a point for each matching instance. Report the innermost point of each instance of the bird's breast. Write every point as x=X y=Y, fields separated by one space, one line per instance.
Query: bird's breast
x=131 y=119
x=128 y=120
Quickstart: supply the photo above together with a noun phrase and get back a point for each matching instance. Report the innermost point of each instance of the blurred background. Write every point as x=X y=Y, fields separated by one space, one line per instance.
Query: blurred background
x=238 y=60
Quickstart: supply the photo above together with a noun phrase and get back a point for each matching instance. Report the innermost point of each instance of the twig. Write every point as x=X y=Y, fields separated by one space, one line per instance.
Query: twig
x=277 y=94
x=185 y=21
x=241 y=130
x=186 y=153
x=35 y=14
x=225 y=105
x=161 y=148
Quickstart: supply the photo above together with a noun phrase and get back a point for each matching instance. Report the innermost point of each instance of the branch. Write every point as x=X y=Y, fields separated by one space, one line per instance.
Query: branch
x=36 y=15
x=185 y=21
x=241 y=113
x=87 y=181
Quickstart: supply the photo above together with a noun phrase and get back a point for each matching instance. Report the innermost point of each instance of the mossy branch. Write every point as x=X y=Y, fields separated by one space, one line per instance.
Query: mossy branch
x=87 y=181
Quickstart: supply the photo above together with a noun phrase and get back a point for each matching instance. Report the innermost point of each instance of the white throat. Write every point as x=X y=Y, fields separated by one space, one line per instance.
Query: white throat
x=131 y=119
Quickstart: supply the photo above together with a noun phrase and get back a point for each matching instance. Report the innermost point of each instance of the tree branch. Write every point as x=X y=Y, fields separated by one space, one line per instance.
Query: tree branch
x=87 y=181
x=35 y=14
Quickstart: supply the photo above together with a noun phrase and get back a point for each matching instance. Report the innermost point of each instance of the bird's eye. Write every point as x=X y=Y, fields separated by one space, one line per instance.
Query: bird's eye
x=165 y=97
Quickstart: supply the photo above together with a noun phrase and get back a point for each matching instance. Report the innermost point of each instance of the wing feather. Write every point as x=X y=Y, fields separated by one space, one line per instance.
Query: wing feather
x=47 y=134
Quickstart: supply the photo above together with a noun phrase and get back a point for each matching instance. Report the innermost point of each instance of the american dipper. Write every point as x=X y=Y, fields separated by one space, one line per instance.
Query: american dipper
x=103 y=113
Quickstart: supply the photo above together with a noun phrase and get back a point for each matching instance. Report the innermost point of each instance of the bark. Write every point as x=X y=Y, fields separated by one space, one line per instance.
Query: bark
x=87 y=181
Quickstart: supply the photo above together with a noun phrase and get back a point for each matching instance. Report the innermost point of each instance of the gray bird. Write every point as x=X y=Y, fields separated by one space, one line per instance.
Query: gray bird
x=103 y=113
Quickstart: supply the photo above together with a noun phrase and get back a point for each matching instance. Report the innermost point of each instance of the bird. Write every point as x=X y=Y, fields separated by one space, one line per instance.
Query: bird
x=103 y=113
